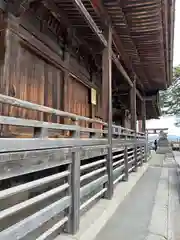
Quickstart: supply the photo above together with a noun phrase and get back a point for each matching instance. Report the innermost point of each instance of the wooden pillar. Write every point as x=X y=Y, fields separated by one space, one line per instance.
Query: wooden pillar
x=105 y=77
x=143 y=112
x=66 y=81
x=5 y=79
x=134 y=119
x=133 y=106
x=107 y=105
x=3 y=55
x=65 y=97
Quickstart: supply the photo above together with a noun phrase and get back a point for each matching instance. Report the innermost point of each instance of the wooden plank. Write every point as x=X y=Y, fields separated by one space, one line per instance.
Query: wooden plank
x=37 y=43
x=55 y=91
x=107 y=106
x=15 y=144
x=28 y=105
x=66 y=82
x=78 y=100
x=38 y=124
x=32 y=201
x=53 y=229
x=105 y=74
x=90 y=187
x=45 y=115
x=126 y=164
x=43 y=46
x=110 y=186
x=134 y=118
x=6 y=76
x=22 y=228
x=133 y=106
x=19 y=163
x=75 y=193
x=31 y=185
x=96 y=30
x=90 y=21
x=143 y=109
x=3 y=26
x=27 y=144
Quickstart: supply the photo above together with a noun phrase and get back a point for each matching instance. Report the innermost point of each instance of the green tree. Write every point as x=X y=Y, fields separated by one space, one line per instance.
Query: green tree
x=176 y=72
x=170 y=98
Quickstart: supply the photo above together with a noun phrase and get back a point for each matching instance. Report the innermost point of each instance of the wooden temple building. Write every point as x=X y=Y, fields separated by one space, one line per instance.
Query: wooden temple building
x=76 y=75
x=89 y=57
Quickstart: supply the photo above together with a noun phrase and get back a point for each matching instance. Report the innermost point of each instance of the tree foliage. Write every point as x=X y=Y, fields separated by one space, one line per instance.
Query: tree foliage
x=170 y=98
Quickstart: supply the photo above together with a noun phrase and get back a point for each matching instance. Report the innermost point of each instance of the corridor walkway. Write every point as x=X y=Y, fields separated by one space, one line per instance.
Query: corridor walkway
x=146 y=210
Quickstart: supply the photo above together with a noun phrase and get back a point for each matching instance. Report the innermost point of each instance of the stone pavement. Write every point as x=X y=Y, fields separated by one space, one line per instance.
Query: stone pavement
x=146 y=213
x=144 y=208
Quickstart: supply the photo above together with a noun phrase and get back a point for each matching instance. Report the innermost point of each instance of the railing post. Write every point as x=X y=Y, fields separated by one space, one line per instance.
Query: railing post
x=134 y=118
x=75 y=192
x=74 y=213
x=143 y=108
x=146 y=147
x=135 y=157
x=110 y=186
x=126 y=166
x=135 y=153
x=40 y=132
x=141 y=152
x=109 y=166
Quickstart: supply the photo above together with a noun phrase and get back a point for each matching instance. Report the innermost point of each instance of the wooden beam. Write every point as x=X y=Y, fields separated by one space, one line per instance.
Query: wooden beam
x=63 y=19
x=5 y=81
x=134 y=118
x=121 y=69
x=171 y=36
x=80 y=6
x=56 y=12
x=98 y=32
x=133 y=106
x=143 y=113
x=102 y=12
x=105 y=73
x=66 y=74
x=43 y=46
x=107 y=105
x=18 y=7
x=110 y=157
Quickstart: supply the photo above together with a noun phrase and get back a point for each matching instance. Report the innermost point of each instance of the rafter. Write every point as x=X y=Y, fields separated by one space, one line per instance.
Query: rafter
x=119 y=44
x=18 y=7
x=63 y=19
x=102 y=12
x=83 y=11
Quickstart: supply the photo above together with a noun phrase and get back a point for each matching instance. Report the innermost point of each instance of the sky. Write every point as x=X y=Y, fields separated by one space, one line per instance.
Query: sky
x=168 y=122
x=164 y=122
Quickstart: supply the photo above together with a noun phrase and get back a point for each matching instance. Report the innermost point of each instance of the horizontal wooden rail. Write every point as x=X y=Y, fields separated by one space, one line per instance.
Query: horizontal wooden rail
x=47 y=183
x=117 y=130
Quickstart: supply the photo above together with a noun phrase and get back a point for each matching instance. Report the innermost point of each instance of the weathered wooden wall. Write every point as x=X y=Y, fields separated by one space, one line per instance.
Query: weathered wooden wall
x=29 y=76
x=2 y=35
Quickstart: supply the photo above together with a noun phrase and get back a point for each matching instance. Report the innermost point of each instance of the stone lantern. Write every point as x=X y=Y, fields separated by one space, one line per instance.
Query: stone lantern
x=163 y=143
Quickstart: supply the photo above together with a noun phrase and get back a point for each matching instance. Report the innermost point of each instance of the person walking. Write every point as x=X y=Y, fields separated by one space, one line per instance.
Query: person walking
x=155 y=145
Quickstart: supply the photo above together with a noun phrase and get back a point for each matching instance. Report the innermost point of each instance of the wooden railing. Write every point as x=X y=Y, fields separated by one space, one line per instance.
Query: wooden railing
x=47 y=184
